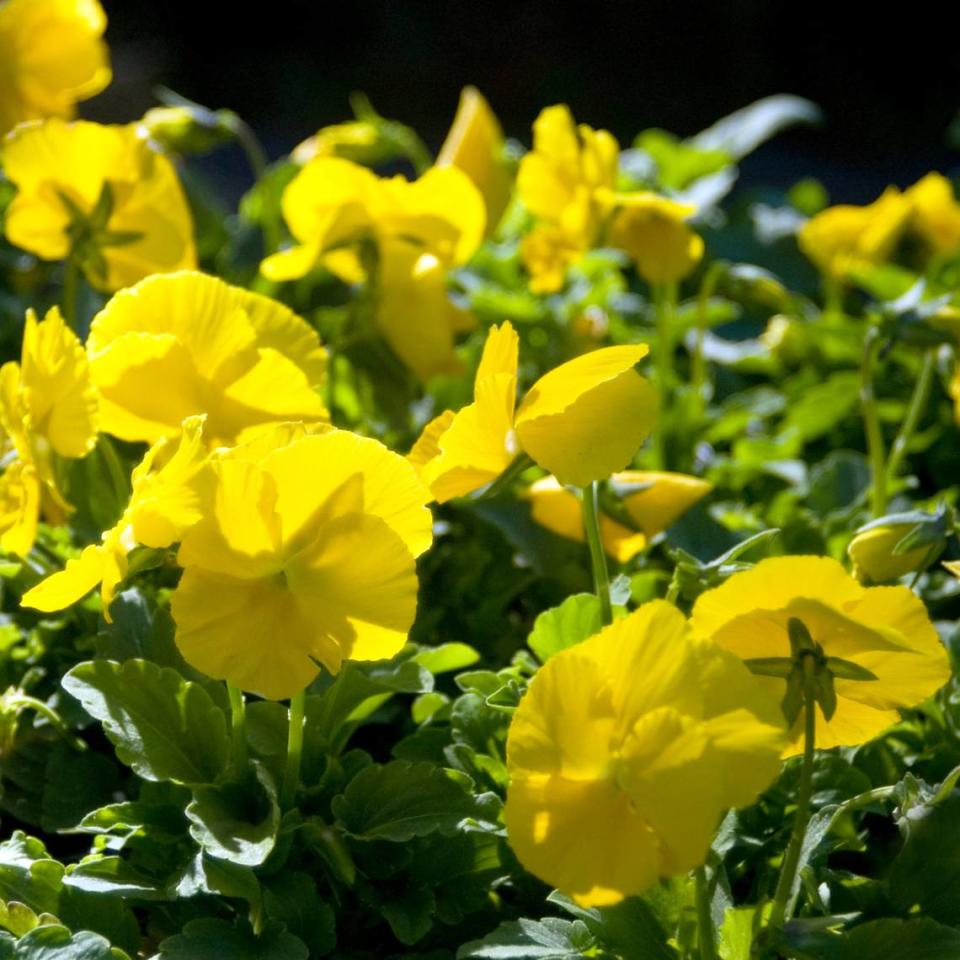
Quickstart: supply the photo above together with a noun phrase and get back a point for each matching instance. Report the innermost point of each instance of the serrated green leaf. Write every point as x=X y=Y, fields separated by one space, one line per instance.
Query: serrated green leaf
x=211 y=939
x=28 y=874
x=237 y=821
x=58 y=943
x=292 y=898
x=577 y=618
x=164 y=727
x=547 y=939
x=400 y=801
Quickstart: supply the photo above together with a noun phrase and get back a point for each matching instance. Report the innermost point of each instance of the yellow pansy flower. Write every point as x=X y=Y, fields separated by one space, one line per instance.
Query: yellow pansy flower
x=101 y=194
x=164 y=502
x=653 y=231
x=567 y=182
x=627 y=750
x=304 y=556
x=652 y=500
x=884 y=629
x=419 y=229
x=475 y=145
x=48 y=409
x=581 y=421
x=52 y=55
x=871 y=552
x=181 y=344
x=936 y=213
x=846 y=237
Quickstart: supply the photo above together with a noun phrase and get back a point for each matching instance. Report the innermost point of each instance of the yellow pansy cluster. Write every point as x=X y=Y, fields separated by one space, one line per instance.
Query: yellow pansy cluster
x=296 y=542
x=52 y=55
x=569 y=183
x=581 y=421
x=408 y=233
x=845 y=238
x=48 y=410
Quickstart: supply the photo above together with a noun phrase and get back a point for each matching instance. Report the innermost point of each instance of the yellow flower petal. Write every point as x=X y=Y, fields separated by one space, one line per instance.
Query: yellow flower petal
x=183 y=344
x=884 y=629
x=475 y=145
x=53 y=56
x=309 y=470
x=842 y=238
x=662 y=499
x=478 y=445
x=414 y=312
x=19 y=508
x=626 y=751
x=51 y=160
x=871 y=552
x=64 y=588
x=651 y=229
x=57 y=390
x=936 y=213
x=587 y=418
x=559 y=510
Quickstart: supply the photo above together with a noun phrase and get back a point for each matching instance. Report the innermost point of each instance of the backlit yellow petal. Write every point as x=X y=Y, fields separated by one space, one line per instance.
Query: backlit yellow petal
x=52 y=56
x=475 y=145
x=660 y=499
x=57 y=389
x=182 y=344
x=587 y=418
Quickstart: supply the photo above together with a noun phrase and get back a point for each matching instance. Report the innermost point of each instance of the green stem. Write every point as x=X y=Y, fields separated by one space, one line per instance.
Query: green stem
x=332 y=386
x=782 y=909
x=258 y=162
x=871 y=423
x=506 y=479
x=71 y=290
x=918 y=403
x=291 y=773
x=665 y=303
x=598 y=560
x=705 y=931
x=698 y=363
x=238 y=727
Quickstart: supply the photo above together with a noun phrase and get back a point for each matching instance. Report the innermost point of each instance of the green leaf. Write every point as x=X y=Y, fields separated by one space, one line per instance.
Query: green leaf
x=447 y=657
x=76 y=783
x=920 y=939
x=237 y=820
x=115 y=876
x=577 y=618
x=210 y=939
x=291 y=897
x=547 y=939
x=164 y=727
x=18 y=918
x=57 y=943
x=400 y=801
x=631 y=928
x=926 y=872
x=744 y=130
x=28 y=874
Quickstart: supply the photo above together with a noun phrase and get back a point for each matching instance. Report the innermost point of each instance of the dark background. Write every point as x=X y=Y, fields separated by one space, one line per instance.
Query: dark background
x=888 y=78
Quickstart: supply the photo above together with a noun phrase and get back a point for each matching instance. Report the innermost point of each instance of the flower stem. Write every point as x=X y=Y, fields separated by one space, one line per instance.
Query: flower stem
x=698 y=363
x=705 y=931
x=665 y=304
x=918 y=403
x=238 y=727
x=291 y=773
x=782 y=909
x=598 y=560
x=258 y=163
x=71 y=290
x=871 y=423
